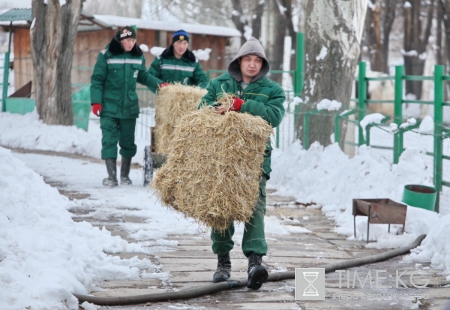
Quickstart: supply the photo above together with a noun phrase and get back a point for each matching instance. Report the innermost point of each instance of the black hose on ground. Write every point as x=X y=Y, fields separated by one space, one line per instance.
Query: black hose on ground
x=216 y=287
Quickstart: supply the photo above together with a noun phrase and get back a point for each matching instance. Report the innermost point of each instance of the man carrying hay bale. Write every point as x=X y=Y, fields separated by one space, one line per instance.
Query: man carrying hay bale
x=251 y=92
x=178 y=64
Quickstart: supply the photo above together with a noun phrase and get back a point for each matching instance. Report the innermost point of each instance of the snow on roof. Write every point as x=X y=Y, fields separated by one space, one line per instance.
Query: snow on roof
x=97 y=21
x=168 y=26
x=15 y=17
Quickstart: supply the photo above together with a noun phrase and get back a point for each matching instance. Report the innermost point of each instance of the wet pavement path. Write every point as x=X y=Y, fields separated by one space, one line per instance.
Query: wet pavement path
x=192 y=264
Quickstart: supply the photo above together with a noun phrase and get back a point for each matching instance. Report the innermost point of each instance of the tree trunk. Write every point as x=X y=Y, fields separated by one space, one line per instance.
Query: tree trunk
x=415 y=44
x=278 y=33
x=378 y=25
x=389 y=16
x=445 y=7
x=373 y=27
x=52 y=39
x=288 y=17
x=256 y=19
x=333 y=35
x=239 y=19
x=439 y=50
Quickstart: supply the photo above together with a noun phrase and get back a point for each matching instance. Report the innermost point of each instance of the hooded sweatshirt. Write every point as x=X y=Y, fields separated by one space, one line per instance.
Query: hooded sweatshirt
x=262 y=97
x=251 y=47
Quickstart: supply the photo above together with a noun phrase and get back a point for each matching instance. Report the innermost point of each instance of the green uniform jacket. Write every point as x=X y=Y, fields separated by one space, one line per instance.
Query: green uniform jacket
x=113 y=82
x=186 y=70
x=263 y=98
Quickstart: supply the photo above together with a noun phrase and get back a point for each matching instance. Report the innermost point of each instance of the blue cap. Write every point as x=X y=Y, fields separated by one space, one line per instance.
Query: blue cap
x=180 y=35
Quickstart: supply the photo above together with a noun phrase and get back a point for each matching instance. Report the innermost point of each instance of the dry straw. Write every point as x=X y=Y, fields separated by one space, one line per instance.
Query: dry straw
x=172 y=103
x=214 y=165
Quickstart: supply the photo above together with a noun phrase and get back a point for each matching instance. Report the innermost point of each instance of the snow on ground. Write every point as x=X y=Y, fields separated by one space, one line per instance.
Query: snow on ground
x=45 y=255
x=331 y=180
x=28 y=132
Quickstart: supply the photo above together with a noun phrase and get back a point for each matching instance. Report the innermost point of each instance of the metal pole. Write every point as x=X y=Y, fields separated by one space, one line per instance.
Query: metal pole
x=300 y=60
x=337 y=127
x=6 y=71
x=362 y=96
x=398 y=101
x=438 y=128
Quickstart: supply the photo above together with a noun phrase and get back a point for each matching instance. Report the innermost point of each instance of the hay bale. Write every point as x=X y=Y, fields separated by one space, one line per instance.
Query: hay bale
x=213 y=167
x=171 y=104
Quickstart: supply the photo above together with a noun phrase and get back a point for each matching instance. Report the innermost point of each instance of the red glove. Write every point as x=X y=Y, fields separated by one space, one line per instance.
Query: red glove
x=237 y=104
x=163 y=84
x=96 y=108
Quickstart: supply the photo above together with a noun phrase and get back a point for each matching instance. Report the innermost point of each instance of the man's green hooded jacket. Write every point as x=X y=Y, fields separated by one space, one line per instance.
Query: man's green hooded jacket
x=262 y=97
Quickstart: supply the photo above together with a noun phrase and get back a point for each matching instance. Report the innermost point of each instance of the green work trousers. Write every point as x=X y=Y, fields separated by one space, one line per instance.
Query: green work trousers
x=117 y=130
x=254 y=239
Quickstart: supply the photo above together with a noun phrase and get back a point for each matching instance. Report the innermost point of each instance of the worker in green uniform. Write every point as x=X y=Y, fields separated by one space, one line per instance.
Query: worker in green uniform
x=178 y=64
x=259 y=96
x=113 y=97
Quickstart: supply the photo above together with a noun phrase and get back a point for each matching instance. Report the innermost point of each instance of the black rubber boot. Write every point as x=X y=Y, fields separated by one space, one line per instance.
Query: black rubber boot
x=223 y=268
x=111 y=168
x=125 y=171
x=257 y=274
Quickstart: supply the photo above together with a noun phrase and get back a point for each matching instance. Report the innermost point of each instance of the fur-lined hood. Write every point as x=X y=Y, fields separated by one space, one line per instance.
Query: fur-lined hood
x=168 y=52
x=251 y=47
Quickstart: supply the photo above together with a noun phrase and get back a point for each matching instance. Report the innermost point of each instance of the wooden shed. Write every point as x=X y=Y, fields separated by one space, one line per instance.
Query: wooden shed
x=95 y=31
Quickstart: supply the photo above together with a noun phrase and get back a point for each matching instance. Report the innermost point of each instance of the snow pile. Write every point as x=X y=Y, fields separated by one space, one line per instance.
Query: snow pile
x=435 y=248
x=329 y=179
x=44 y=254
x=28 y=132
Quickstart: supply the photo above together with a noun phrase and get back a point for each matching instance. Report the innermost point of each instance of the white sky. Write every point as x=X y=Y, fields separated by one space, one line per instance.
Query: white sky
x=45 y=255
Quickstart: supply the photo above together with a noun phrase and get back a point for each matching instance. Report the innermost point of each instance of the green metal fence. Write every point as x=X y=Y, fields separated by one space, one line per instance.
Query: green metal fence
x=391 y=135
x=433 y=143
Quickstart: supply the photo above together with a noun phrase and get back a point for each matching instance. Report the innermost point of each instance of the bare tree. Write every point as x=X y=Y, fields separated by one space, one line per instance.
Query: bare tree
x=244 y=14
x=417 y=32
x=378 y=26
x=283 y=26
x=256 y=19
x=239 y=18
x=445 y=8
x=439 y=24
x=276 y=50
x=53 y=35
x=333 y=34
x=289 y=18
x=190 y=11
